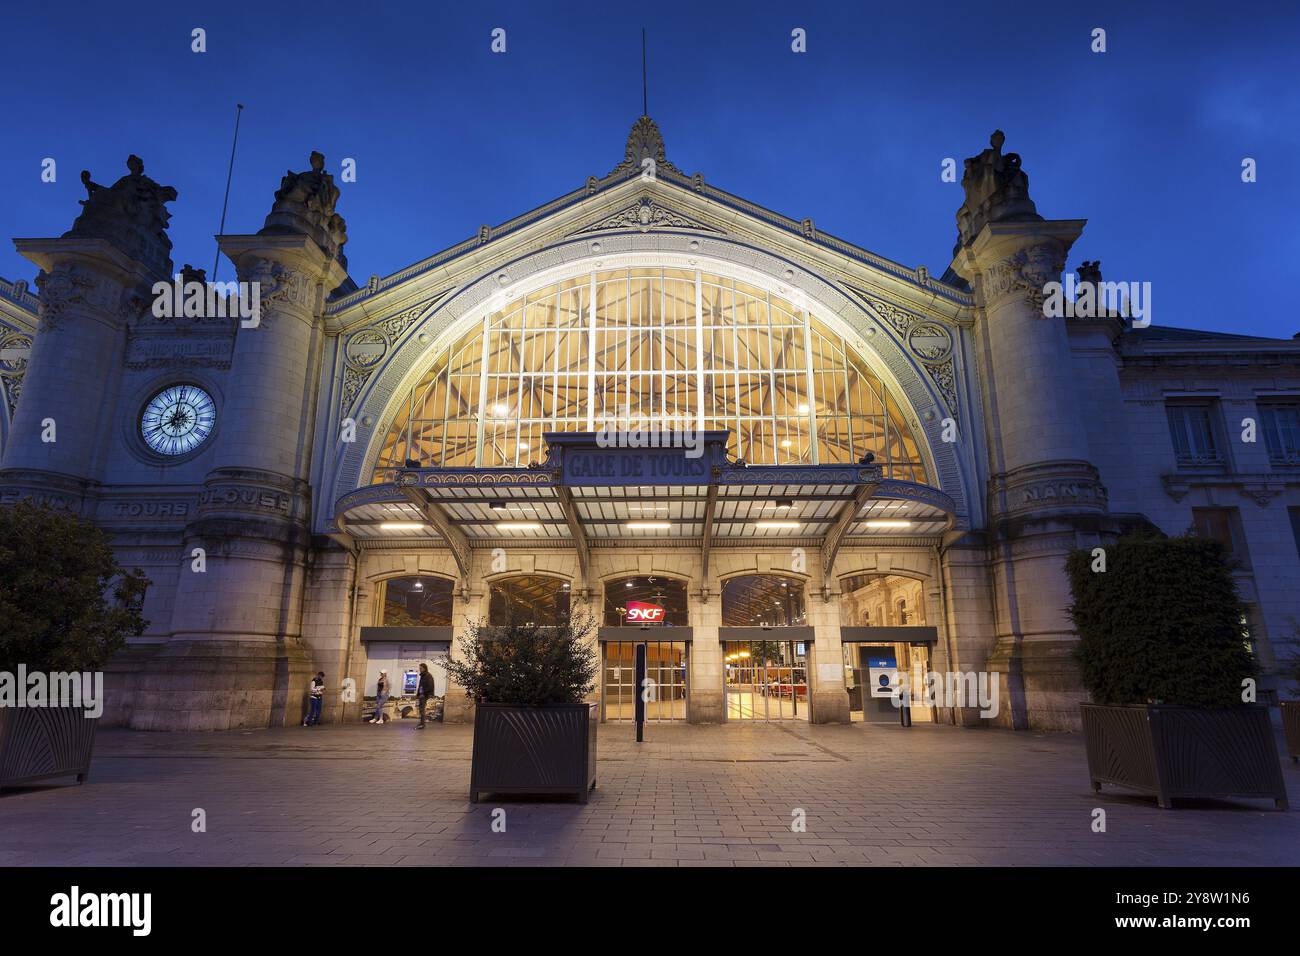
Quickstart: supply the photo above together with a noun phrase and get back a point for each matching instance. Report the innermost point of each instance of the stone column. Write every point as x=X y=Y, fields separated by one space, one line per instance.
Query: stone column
x=705 y=701
x=1045 y=497
x=458 y=708
x=829 y=698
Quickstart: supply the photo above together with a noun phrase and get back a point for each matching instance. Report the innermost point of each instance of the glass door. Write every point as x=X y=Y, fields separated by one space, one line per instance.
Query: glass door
x=665 y=687
x=766 y=680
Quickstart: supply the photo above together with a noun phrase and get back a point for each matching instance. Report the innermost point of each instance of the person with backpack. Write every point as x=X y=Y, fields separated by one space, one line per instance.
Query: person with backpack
x=424 y=691
x=315 y=699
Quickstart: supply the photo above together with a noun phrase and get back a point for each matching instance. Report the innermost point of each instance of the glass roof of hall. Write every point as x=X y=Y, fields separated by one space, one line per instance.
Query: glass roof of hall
x=672 y=347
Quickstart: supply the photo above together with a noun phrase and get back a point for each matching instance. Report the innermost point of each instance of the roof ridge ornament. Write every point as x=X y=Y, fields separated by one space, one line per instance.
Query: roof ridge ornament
x=645 y=142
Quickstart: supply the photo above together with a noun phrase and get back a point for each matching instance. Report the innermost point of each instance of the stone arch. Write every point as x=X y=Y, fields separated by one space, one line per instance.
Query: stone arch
x=867 y=330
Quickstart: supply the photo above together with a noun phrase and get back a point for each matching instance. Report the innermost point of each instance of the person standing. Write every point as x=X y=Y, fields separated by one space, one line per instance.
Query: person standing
x=382 y=691
x=424 y=691
x=315 y=700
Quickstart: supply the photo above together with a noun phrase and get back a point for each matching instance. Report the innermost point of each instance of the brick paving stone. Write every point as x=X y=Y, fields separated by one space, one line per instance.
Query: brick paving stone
x=691 y=796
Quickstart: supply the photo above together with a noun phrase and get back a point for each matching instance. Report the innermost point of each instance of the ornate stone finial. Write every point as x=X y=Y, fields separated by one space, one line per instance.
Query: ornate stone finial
x=131 y=214
x=304 y=204
x=644 y=142
x=997 y=190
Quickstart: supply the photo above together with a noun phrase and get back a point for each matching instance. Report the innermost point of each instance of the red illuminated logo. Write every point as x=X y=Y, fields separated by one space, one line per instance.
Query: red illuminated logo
x=639 y=612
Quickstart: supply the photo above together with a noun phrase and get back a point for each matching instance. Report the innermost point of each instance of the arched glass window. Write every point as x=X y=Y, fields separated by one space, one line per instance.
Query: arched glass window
x=891 y=598
x=788 y=387
x=528 y=599
x=645 y=600
x=763 y=600
x=416 y=602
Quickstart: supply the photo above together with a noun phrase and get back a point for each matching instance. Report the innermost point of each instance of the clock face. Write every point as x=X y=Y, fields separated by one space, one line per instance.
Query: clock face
x=178 y=419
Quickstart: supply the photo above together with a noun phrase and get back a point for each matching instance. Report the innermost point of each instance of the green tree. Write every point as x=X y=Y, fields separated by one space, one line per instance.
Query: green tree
x=1162 y=623
x=65 y=602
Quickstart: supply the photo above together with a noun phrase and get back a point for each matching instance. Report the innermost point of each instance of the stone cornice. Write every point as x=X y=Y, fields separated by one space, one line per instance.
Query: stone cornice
x=1259 y=487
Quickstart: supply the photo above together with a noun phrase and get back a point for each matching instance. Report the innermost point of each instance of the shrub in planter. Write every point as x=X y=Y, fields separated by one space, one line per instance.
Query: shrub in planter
x=1164 y=657
x=533 y=731
x=66 y=606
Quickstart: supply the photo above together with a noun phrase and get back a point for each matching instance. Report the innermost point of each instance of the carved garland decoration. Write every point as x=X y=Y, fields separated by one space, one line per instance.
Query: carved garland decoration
x=15 y=346
x=930 y=341
x=365 y=349
x=646 y=214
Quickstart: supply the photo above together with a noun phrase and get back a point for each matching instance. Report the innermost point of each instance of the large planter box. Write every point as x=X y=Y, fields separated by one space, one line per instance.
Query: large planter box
x=39 y=743
x=1174 y=752
x=1291 y=726
x=534 y=750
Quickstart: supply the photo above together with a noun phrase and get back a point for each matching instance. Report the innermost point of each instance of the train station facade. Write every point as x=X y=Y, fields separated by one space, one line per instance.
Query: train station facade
x=783 y=463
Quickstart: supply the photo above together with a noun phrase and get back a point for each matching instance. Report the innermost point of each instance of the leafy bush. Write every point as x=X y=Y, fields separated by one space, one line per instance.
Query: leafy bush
x=527 y=665
x=65 y=602
x=1162 y=623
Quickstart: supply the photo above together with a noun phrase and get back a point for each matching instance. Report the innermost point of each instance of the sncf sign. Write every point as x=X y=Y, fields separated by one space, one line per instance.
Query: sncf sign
x=640 y=612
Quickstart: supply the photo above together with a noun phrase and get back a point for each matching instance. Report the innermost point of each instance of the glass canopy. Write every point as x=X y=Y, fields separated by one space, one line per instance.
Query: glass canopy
x=662 y=348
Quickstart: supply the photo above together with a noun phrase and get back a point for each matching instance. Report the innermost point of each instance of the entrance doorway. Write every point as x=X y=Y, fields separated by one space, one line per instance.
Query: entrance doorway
x=665 y=687
x=766 y=680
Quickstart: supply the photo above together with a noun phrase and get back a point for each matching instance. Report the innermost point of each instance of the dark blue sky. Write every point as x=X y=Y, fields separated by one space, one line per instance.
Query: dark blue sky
x=1144 y=141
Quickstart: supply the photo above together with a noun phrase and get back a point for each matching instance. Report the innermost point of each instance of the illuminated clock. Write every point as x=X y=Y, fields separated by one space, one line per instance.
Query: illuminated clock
x=178 y=419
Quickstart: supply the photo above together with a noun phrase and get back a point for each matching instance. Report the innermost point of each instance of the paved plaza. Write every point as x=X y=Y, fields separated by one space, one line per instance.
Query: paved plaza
x=690 y=796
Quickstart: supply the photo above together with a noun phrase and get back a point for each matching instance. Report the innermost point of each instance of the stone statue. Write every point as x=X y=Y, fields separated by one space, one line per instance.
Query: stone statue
x=304 y=204
x=997 y=190
x=1090 y=272
x=132 y=214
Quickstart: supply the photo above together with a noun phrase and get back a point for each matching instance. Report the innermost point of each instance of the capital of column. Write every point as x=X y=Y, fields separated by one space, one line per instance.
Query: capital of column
x=1017 y=259
x=291 y=271
x=87 y=278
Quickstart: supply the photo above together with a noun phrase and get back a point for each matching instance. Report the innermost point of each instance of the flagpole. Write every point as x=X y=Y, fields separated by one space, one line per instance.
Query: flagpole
x=225 y=202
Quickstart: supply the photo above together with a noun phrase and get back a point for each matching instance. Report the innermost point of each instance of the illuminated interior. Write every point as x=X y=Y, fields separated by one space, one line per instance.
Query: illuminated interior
x=663 y=346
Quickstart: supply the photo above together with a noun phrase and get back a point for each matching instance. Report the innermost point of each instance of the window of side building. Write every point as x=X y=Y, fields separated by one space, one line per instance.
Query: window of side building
x=1279 y=421
x=1194 y=429
x=1224 y=526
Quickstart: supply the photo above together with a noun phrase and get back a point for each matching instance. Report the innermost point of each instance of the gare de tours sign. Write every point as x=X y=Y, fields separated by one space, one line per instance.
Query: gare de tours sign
x=584 y=462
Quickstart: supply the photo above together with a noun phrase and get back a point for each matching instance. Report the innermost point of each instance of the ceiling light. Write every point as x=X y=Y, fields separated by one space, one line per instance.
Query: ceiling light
x=803 y=409
x=628 y=584
x=500 y=411
x=888 y=523
x=518 y=526
x=648 y=525
x=786 y=443
x=401 y=525
x=776 y=525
